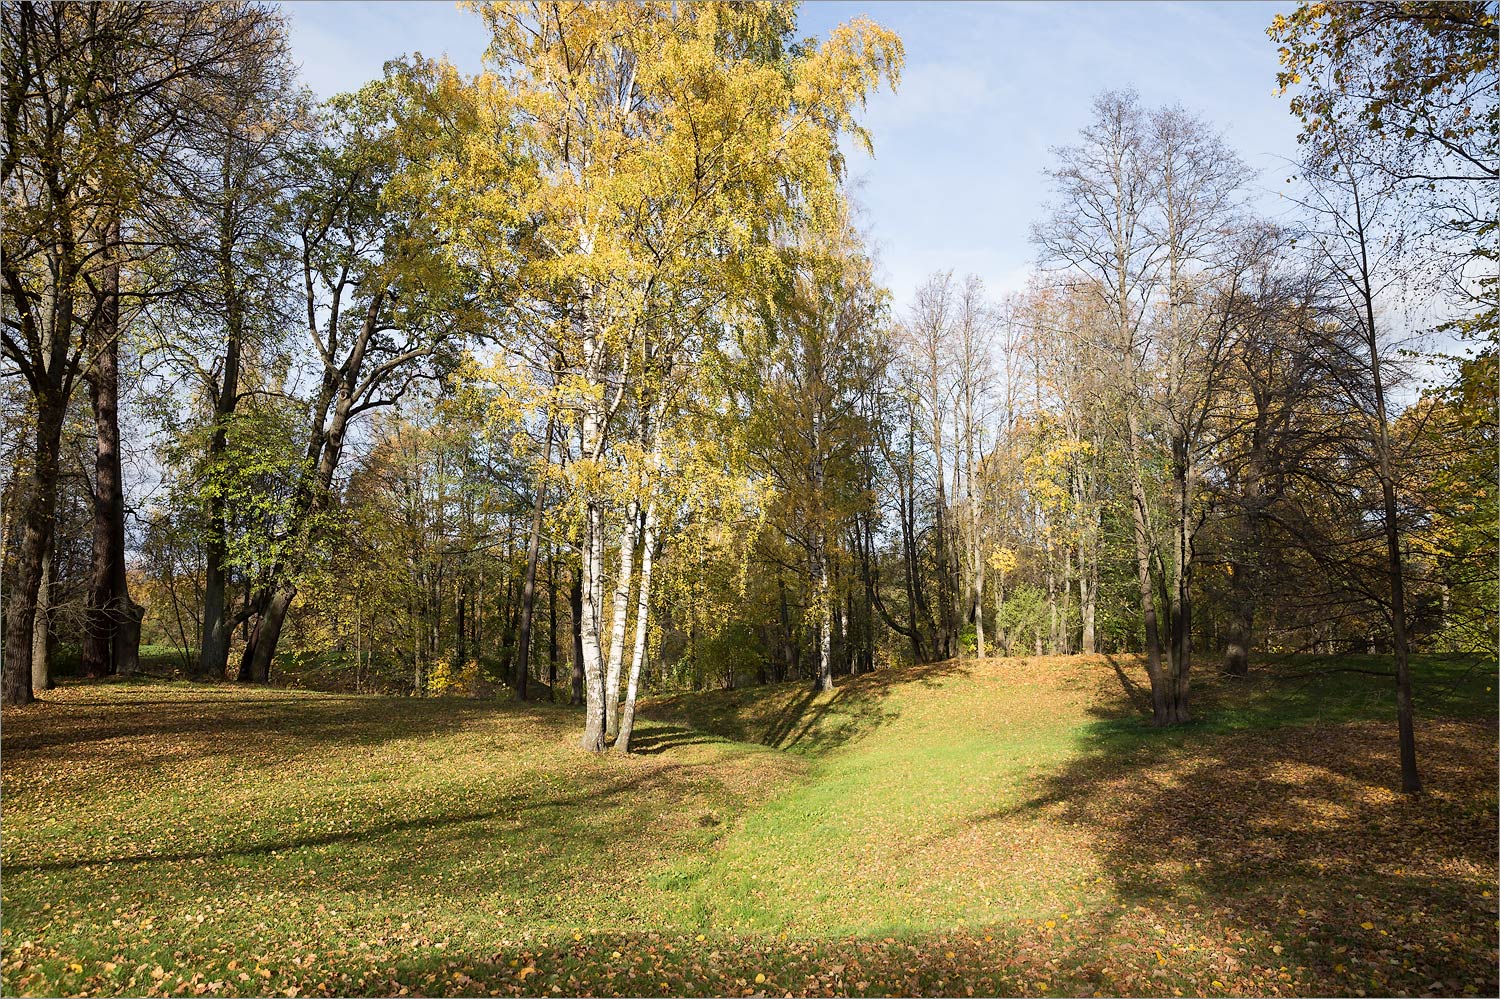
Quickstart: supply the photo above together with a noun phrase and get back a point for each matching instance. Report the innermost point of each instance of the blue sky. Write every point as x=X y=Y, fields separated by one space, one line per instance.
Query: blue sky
x=960 y=150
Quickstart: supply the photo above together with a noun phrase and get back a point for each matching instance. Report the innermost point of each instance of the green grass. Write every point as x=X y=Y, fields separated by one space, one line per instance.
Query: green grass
x=1008 y=826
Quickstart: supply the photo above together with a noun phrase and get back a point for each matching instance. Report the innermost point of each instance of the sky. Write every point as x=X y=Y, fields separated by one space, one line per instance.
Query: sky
x=962 y=147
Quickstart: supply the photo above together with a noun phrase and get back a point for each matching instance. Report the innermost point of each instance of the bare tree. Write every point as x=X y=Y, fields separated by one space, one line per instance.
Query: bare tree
x=1351 y=208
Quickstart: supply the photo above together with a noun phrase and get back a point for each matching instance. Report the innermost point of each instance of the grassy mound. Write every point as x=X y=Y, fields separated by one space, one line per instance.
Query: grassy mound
x=1005 y=827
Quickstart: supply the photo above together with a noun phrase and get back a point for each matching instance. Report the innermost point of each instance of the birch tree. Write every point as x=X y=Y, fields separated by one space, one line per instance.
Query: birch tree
x=665 y=147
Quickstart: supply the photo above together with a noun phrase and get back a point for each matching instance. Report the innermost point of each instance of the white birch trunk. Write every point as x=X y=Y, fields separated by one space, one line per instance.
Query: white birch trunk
x=642 y=620
x=621 y=612
x=591 y=568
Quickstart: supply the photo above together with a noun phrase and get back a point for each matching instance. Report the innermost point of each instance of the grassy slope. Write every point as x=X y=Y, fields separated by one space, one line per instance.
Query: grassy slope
x=1005 y=826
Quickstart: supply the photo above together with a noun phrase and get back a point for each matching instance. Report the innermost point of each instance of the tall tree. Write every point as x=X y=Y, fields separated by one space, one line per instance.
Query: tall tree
x=222 y=212
x=665 y=145
x=1350 y=207
x=92 y=98
x=383 y=305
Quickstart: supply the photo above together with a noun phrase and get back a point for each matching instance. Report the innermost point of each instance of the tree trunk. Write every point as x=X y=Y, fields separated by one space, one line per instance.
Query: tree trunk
x=1411 y=781
x=551 y=623
x=825 y=626
x=460 y=626
x=1241 y=621
x=1243 y=577
x=588 y=632
x=1180 y=634
x=213 y=654
x=620 y=611
x=1141 y=532
x=946 y=597
x=528 y=588
x=1088 y=595
x=1002 y=637
x=106 y=648
x=978 y=558
x=642 y=620
x=1052 y=624
x=256 y=667
x=819 y=553
x=39 y=503
x=41 y=636
x=575 y=599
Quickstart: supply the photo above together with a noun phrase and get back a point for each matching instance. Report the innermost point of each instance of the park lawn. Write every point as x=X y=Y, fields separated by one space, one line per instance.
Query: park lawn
x=1006 y=827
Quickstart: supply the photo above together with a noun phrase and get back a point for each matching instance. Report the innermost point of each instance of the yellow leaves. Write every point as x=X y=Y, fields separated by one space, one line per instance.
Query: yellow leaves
x=76 y=968
x=1003 y=559
x=760 y=978
x=1367 y=925
x=530 y=969
x=444 y=680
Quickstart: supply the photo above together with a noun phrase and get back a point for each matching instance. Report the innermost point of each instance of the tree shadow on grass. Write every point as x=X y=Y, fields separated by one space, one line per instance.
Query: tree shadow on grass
x=1290 y=840
x=208 y=722
x=795 y=716
x=655 y=738
x=516 y=807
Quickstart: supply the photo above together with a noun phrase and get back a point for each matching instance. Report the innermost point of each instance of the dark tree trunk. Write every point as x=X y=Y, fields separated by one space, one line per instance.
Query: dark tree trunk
x=213 y=654
x=788 y=641
x=460 y=627
x=575 y=598
x=1159 y=702
x=509 y=616
x=40 y=499
x=256 y=666
x=1242 y=599
x=864 y=545
x=106 y=645
x=1411 y=780
x=551 y=623
x=528 y=588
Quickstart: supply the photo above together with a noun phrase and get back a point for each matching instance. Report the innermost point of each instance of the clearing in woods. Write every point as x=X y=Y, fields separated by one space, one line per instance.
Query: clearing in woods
x=996 y=827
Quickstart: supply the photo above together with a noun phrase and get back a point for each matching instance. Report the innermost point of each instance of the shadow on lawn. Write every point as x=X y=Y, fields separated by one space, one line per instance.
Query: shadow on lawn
x=251 y=729
x=520 y=807
x=658 y=738
x=794 y=715
x=1292 y=836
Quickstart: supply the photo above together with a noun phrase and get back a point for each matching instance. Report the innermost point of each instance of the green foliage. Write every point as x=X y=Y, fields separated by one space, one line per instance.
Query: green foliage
x=731 y=655
x=1024 y=618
